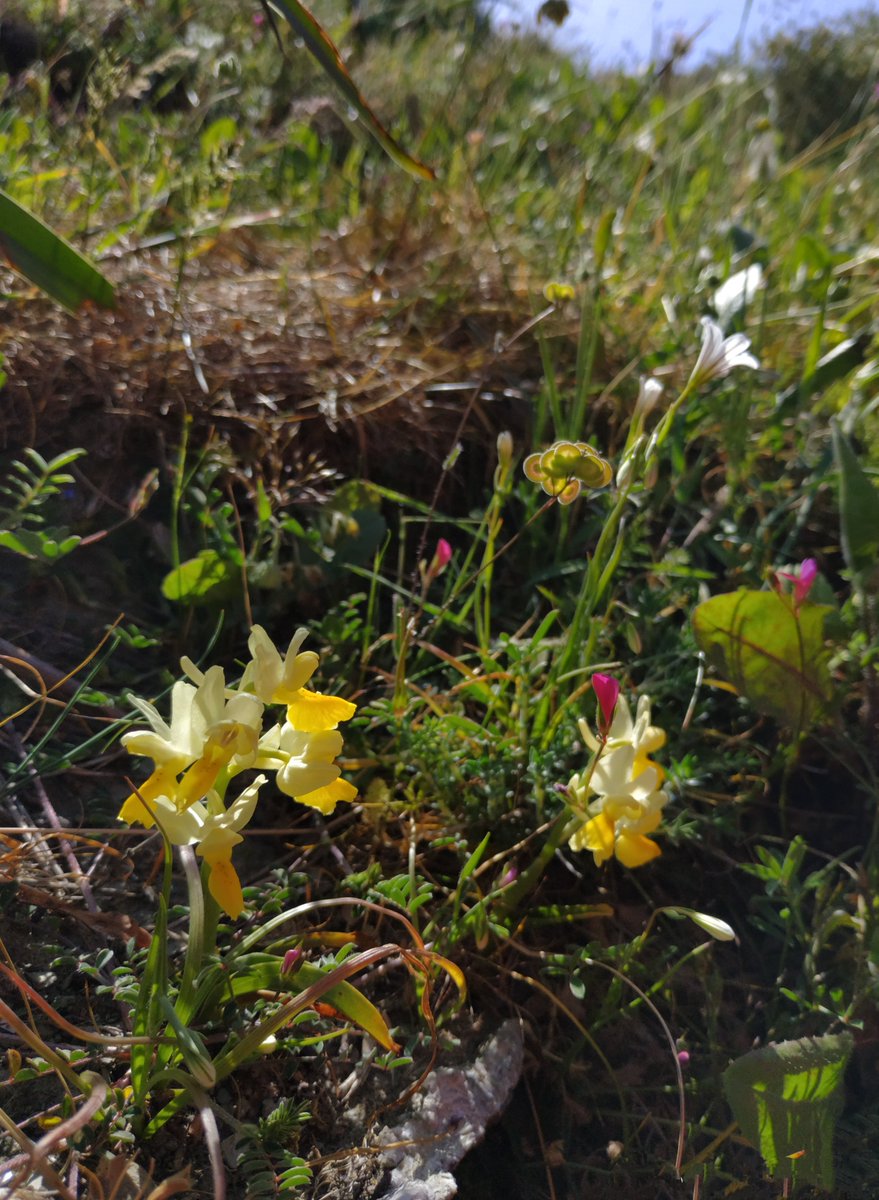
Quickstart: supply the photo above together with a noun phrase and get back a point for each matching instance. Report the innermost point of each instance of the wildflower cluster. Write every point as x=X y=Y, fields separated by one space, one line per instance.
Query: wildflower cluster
x=215 y=733
x=621 y=796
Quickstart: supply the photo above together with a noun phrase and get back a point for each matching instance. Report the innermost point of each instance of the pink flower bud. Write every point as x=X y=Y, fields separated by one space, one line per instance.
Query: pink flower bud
x=291 y=961
x=607 y=692
x=442 y=555
x=683 y=1057
x=441 y=558
x=508 y=877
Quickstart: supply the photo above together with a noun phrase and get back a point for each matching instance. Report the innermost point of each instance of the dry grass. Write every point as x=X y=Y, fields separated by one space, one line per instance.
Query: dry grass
x=288 y=356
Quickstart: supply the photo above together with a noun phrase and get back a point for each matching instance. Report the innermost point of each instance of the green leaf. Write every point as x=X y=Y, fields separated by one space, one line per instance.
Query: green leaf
x=858 y=507
x=787 y=1098
x=771 y=654
x=258 y=972
x=192 y=1048
x=205 y=579
x=37 y=545
x=47 y=260
x=474 y=860
x=834 y=366
x=603 y=233
x=220 y=135
x=153 y=985
x=350 y=1002
x=321 y=47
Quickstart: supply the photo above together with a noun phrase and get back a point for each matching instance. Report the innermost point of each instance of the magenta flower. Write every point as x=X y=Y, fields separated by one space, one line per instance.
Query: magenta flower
x=802 y=581
x=442 y=556
x=291 y=961
x=607 y=692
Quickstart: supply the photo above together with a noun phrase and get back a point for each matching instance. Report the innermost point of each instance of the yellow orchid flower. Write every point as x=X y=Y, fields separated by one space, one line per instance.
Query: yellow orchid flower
x=278 y=680
x=622 y=798
x=305 y=766
x=641 y=734
x=210 y=730
x=214 y=831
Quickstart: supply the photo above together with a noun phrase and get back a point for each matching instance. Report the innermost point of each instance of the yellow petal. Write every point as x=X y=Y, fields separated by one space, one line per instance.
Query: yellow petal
x=134 y=810
x=312 y=712
x=202 y=775
x=326 y=798
x=162 y=782
x=634 y=850
x=225 y=887
x=598 y=835
x=643 y=762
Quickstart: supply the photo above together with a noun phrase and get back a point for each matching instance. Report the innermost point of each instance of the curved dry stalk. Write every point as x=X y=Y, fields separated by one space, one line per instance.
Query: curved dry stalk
x=35 y=1153
x=682 y=1099
x=45 y=692
x=83 y=1035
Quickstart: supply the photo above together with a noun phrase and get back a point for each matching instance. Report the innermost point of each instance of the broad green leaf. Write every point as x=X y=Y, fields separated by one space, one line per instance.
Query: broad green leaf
x=35 y=251
x=205 y=579
x=321 y=47
x=350 y=1002
x=858 y=507
x=787 y=1098
x=259 y=972
x=772 y=655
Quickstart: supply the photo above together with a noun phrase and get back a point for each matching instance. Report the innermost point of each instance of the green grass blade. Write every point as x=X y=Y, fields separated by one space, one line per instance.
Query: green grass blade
x=35 y=251
x=321 y=47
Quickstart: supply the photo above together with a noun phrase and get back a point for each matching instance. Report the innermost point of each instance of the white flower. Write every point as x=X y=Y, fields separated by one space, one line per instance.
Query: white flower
x=719 y=355
x=737 y=293
x=713 y=925
x=649 y=392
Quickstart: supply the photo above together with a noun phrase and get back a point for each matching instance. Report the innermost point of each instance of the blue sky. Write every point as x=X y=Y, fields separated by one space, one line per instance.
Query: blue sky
x=626 y=30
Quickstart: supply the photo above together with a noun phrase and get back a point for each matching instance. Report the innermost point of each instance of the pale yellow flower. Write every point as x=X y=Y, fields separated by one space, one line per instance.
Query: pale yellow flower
x=278 y=680
x=305 y=765
x=211 y=729
x=643 y=736
x=214 y=831
x=622 y=800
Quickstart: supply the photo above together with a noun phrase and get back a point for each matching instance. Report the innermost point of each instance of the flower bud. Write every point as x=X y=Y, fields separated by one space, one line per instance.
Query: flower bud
x=291 y=961
x=607 y=692
x=648 y=394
